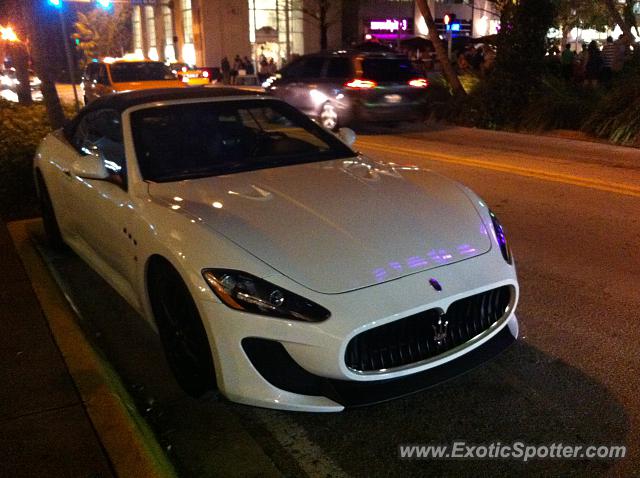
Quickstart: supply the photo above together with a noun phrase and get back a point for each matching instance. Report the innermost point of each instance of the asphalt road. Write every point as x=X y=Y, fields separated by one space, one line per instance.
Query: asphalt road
x=572 y=213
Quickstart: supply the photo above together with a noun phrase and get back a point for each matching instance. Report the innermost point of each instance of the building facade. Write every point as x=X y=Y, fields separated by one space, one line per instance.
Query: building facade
x=202 y=32
x=393 y=20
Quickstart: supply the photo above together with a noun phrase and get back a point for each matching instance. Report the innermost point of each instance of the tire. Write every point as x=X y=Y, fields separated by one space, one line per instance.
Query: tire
x=183 y=337
x=329 y=117
x=49 y=220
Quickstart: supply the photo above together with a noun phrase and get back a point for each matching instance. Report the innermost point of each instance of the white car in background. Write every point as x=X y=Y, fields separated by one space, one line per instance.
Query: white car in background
x=275 y=262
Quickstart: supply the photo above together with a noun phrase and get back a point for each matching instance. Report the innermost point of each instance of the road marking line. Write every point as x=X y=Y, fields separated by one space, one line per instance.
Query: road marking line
x=618 y=188
x=295 y=440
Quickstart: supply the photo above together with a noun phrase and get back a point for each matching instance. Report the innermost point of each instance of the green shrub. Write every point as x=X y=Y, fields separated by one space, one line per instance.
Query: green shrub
x=21 y=130
x=558 y=105
x=617 y=115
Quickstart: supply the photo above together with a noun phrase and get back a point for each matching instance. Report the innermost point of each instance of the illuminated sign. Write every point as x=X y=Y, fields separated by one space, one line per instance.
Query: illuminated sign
x=391 y=25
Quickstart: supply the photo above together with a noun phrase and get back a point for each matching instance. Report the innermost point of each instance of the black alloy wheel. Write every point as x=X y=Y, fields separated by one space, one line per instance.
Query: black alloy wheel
x=183 y=336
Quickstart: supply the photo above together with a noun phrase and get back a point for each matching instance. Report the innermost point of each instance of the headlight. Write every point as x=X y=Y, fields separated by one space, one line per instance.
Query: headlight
x=501 y=238
x=242 y=291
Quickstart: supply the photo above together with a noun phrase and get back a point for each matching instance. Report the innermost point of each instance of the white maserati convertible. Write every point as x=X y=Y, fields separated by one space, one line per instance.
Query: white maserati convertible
x=276 y=263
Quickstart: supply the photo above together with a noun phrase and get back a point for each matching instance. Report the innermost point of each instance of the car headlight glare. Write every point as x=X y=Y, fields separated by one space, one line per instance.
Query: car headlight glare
x=242 y=291
x=501 y=238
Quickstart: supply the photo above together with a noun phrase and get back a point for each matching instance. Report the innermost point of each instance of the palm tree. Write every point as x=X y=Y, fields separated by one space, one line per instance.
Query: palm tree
x=441 y=52
x=617 y=18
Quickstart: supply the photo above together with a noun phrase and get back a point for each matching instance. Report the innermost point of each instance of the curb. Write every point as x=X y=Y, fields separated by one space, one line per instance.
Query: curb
x=123 y=432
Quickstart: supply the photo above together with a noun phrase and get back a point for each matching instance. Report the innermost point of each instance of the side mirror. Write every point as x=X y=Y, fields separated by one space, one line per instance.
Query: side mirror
x=90 y=166
x=347 y=135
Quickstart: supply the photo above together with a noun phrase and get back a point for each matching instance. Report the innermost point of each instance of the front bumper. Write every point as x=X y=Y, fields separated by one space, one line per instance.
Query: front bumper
x=315 y=353
x=274 y=364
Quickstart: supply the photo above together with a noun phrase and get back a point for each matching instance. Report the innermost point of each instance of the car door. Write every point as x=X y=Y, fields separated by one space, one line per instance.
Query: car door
x=308 y=80
x=286 y=78
x=339 y=71
x=298 y=79
x=103 y=209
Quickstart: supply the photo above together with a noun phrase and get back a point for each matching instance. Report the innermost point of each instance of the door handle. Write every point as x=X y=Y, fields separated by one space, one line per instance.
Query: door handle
x=67 y=173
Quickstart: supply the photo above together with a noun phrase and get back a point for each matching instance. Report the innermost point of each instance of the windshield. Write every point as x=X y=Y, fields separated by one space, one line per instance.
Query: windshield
x=388 y=69
x=140 y=71
x=195 y=140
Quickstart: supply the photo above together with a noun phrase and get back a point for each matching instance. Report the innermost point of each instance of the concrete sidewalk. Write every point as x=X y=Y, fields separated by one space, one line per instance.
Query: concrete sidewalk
x=44 y=426
x=64 y=411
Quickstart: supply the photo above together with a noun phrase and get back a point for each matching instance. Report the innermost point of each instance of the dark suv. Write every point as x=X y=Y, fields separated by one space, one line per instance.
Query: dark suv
x=339 y=88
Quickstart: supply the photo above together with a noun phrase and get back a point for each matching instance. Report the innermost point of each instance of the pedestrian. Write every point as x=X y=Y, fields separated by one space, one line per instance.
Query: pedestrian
x=488 y=59
x=272 y=67
x=580 y=64
x=593 y=66
x=608 y=56
x=237 y=66
x=226 y=70
x=477 y=58
x=620 y=53
x=263 y=73
x=248 y=65
x=566 y=62
x=462 y=63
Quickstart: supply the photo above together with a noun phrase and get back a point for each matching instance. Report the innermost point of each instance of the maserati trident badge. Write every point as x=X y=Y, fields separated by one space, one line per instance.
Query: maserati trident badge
x=440 y=330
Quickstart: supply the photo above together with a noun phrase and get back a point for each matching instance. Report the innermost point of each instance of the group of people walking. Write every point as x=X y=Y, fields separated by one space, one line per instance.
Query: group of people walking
x=593 y=65
x=244 y=66
x=241 y=66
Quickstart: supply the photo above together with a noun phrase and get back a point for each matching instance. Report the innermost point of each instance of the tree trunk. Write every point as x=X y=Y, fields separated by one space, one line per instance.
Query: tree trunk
x=566 y=29
x=441 y=52
x=617 y=18
x=43 y=66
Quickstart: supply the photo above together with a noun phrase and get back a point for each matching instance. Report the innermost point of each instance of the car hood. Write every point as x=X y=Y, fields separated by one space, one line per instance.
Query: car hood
x=338 y=225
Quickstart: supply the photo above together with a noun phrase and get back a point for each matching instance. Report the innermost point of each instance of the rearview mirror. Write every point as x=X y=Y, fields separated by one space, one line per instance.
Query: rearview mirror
x=347 y=135
x=90 y=166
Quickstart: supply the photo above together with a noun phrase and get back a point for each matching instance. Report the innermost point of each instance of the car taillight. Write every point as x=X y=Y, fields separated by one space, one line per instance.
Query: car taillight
x=419 y=82
x=359 y=84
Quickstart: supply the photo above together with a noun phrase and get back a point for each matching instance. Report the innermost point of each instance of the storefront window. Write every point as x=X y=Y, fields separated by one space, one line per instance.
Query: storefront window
x=276 y=29
x=167 y=21
x=187 y=21
x=150 y=19
x=188 y=49
x=136 y=25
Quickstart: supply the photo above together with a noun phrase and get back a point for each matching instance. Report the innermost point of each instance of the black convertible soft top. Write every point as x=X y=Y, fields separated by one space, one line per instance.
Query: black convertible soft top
x=122 y=101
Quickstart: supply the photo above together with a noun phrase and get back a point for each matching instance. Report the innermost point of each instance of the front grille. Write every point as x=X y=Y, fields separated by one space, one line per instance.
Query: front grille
x=427 y=334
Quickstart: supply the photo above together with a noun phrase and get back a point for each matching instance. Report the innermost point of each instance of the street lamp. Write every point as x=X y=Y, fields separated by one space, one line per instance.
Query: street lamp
x=7 y=34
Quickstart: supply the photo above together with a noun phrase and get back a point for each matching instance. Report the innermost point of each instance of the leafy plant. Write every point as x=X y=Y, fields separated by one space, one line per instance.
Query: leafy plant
x=21 y=130
x=558 y=105
x=520 y=63
x=617 y=115
x=102 y=33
